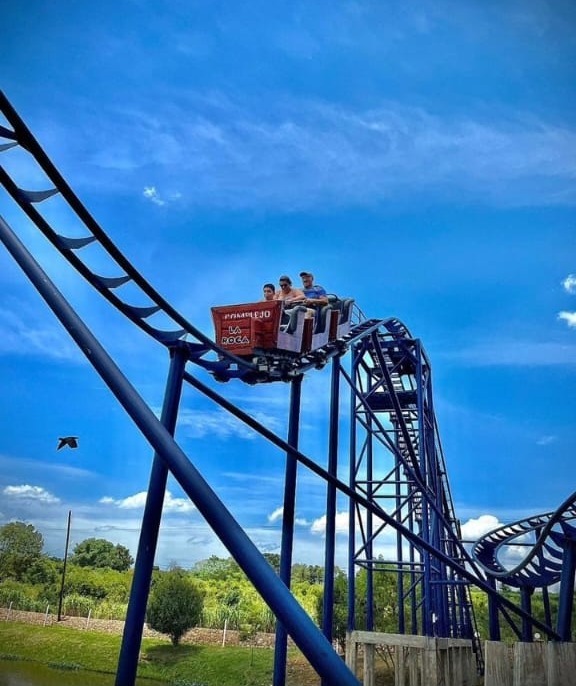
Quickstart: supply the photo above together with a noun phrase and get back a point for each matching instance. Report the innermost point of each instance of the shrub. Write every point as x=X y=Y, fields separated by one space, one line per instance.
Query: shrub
x=108 y=609
x=77 y=605
x=174 y=605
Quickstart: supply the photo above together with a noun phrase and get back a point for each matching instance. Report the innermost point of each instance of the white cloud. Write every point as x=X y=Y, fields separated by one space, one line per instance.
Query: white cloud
x=34 y=493
x=151 y=193
x=319 y=525
x=474 y=529
x=276 y=515
x=138 y=500
x=510 y=553
x=569 y=283
x=279 y=513
x=569 y=318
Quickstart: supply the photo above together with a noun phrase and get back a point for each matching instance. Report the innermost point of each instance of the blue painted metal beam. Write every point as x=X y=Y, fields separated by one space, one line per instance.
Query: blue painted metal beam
x=304 y=632
x=566 y=595
x=136 y=613
x=330 y=545
x=288 y=516
x=351 y=605
x=407 y=532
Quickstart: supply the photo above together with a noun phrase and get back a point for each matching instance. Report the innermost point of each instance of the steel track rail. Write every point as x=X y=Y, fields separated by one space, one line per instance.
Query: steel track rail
x=22 y=136
x=542 y=565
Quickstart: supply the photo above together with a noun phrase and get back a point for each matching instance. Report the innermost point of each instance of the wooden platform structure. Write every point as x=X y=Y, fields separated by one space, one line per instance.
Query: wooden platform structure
x=417 y=660
x=530 y=664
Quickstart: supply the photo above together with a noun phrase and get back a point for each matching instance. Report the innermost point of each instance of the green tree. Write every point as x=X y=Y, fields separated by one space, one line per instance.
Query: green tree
x=175 y=604
x=98 y=552
x=312 y=574
x=273 y=560
x=218 y=568
x=385 y=597
x=42 y=571
x=100 y=584
x=20 y=545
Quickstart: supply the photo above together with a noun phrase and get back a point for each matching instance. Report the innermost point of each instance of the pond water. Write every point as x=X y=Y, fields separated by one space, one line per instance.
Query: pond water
x=16 y=673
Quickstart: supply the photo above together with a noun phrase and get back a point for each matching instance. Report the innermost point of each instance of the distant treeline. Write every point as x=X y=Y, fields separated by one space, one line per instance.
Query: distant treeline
x=99 y=575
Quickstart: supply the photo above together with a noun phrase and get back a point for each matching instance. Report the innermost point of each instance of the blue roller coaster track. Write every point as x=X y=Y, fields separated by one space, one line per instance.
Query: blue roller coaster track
x=546 y=544
x=402 y=521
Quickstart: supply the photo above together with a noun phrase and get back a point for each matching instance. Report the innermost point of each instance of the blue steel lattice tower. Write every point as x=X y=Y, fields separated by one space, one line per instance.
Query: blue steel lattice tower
x=402 y=521
x=397 y=462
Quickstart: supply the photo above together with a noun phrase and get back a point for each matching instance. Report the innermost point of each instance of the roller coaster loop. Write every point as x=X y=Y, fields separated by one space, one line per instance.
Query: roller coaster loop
x=550 y=559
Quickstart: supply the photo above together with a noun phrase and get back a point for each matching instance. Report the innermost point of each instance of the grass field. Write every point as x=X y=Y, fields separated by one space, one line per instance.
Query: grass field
x=194 y=664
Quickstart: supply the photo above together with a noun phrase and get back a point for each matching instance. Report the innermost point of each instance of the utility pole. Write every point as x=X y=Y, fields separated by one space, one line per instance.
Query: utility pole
x=64 y=566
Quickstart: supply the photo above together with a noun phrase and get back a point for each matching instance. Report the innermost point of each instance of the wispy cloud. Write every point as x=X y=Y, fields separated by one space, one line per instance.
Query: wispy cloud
x=31 y=493
x=245 y=154
x=569 y=284
x=61 y=471
x=151 y=194
x=546 y=440
x=19 y=337
x=138 y=500
x=221 y=424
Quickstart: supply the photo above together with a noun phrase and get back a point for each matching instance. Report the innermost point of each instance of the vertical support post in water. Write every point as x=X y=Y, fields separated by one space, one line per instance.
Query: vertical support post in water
x=136 y=613
x=288 y=515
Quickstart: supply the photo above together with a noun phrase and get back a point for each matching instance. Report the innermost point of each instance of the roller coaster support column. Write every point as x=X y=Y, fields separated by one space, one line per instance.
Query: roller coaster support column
x=493 y=619
x=369 y=519
x=566 y=594
x=311 y=642
x=136 y=614
x=281 y=640
x=351 y=625
x=526 y=604
x=329 y=552
x=429 y=609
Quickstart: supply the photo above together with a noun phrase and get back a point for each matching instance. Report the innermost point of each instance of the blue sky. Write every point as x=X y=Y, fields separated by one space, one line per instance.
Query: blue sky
x=421 y=159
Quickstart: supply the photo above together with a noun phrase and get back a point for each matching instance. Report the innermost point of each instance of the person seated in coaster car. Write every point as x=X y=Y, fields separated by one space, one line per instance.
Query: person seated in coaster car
x=268 y=291
x=315 y=296
x=287 y=294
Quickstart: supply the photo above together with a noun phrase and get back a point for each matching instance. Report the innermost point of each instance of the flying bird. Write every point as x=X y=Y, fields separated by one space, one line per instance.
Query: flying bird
x=70 y=441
